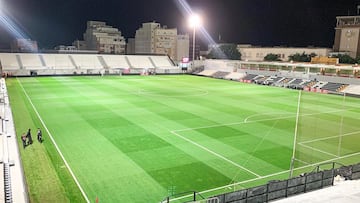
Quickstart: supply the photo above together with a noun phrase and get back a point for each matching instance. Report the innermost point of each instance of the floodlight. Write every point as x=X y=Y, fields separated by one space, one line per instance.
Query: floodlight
x=195 y=20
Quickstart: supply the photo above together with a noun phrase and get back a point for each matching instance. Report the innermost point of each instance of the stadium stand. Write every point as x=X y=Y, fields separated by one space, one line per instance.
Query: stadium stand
x=139 y=62
x=196 y=70
x=12 y=188
x=308 y=83
x=7 y=183
x=319 y=85
x=9 y=61
x=115 y=62
x=21 y=64
x=272 y=80
x=260 y=79
x=83 y=61
x=291 y=75
x=31 y=61
x=333 y=87
x=249 y=77
x=58 y=61
x=352 y=89
x=295 y=84
x=277 y=79
x=207 y=72
x=220 y=74
x=163 y=62
x=234 y=76
x=295 y=81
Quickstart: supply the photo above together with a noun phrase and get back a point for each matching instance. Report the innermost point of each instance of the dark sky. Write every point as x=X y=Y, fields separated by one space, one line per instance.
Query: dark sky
x=257 y=22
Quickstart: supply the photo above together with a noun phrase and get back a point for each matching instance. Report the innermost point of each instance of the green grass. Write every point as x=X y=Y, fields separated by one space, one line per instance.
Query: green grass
x=138 y=139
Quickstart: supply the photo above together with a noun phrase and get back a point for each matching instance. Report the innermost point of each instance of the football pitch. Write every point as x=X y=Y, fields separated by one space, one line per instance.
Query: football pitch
x=142 y=138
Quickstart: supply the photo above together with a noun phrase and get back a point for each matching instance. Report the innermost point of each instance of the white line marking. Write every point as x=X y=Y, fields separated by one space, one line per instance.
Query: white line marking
x=216 y=154
x=319 y=150
x=267 y=176
x=301 y=161
x=326 y=138
x=53 y=141
x=268 y=113
x=254 y=121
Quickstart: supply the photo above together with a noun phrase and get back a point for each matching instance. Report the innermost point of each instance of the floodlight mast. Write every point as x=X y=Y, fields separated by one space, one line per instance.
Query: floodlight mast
x=194 y=21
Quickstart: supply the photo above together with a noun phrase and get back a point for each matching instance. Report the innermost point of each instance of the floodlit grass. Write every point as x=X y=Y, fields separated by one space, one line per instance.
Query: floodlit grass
x=139 y=139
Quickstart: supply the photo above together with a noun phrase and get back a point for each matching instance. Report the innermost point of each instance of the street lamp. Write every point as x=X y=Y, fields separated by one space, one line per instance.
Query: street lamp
x=194 y=22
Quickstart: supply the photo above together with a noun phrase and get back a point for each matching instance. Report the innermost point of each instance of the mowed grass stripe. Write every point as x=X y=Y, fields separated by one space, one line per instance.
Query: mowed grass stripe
x=149 y=116
x=133 y=116
x=92 y=162
x=184 y=174
x=249 y=144
x=150 y=105
x=177 y=114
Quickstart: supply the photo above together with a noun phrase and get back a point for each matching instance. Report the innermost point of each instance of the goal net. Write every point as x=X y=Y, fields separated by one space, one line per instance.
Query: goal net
x=327 y=130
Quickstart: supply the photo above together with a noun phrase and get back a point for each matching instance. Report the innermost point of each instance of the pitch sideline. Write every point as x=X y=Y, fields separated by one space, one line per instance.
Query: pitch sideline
x=53 y=141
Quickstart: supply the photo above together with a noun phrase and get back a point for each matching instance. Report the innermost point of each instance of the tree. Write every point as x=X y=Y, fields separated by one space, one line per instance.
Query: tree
x=301 y=57
x=344 y=58
x=272 y=57
x=225 y=51
x=357 y=60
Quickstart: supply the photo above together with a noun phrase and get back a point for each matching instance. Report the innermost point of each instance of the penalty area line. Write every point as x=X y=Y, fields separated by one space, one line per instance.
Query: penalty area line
x=319 y=150
x=331 y=137
x=53 y=141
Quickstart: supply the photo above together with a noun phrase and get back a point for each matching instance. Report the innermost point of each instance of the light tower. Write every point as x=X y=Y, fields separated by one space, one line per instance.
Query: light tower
x=194 y=22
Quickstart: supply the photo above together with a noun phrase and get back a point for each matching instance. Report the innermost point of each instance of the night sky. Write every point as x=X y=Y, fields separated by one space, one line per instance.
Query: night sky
x=256 y=22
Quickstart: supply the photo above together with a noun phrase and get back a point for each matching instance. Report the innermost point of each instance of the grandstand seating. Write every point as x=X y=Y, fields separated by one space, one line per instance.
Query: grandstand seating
x=352 y=89
x=207 y=72
x=319 y=84
x=9 y=61
x=308 y=83
x=333 y=87
x=261 y=80
x=197 y=70
x=31 y=61
x=285 y=80
x=272 y=80
x=220 y=74
x=116 y=61
x=249 y=77
x=140 y=62
x=162 y=62
x=58 y=61
x=7 y=184
x=86 y=61
x=277 y=79
x=55 y=64
x=295 y=82
x=234 y=76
